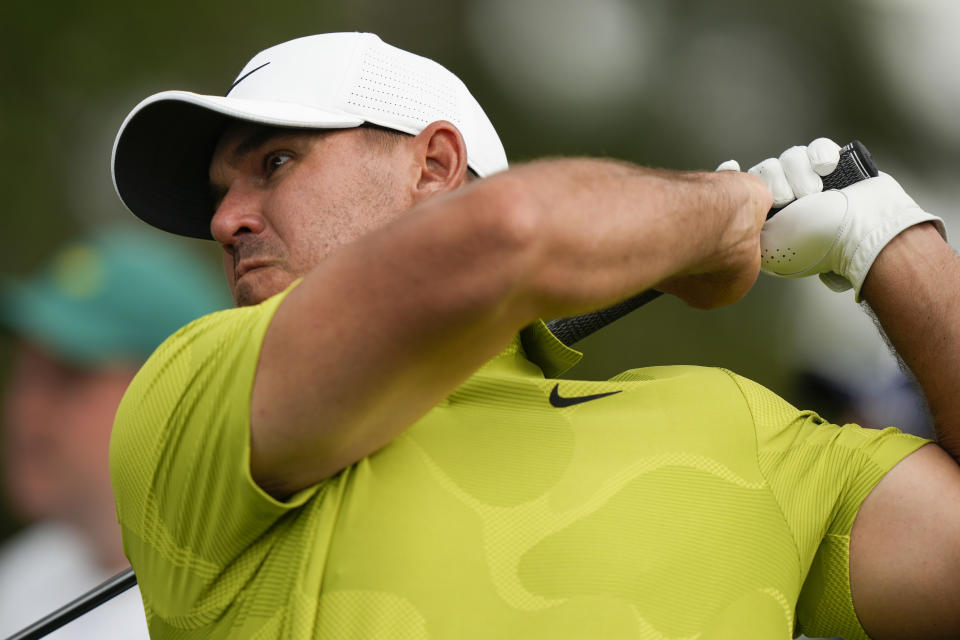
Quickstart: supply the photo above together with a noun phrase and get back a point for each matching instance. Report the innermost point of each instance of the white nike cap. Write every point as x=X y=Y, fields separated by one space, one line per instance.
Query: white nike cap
x=162 y=152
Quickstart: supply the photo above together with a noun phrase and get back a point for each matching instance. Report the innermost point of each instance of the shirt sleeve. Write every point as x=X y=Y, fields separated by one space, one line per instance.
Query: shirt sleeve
x=820 y=473
x=190 y=512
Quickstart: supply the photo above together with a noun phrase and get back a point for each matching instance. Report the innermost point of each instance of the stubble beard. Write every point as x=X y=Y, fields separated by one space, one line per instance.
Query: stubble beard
x=255 y=288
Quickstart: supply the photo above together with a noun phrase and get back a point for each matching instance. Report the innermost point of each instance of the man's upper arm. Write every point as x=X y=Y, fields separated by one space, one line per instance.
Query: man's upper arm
x=905 y=550
x=821 y=475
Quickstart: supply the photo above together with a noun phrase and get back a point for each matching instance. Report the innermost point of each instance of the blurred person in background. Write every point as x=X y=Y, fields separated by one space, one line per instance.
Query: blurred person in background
x=80 y=329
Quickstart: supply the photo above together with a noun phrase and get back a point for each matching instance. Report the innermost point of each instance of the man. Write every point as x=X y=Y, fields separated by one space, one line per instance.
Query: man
x=81 y=328
x=368 y=446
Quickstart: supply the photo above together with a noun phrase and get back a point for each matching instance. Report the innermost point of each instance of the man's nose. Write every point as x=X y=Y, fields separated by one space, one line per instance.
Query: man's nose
x=238 y=213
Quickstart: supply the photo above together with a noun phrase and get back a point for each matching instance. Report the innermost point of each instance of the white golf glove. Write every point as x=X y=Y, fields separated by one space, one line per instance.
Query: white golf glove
x=836 y=234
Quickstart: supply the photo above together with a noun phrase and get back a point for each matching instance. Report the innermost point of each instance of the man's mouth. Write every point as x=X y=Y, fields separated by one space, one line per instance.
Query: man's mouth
x=246 y=266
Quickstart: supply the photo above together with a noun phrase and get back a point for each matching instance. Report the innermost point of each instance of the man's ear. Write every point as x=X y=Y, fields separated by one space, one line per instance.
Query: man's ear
x=441 y=159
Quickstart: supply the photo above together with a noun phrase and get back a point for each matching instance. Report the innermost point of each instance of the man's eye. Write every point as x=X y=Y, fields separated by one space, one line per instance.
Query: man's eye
x=275 y=160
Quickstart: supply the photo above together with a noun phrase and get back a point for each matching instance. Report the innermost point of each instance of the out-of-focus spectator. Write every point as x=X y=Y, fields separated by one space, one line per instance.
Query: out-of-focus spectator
x=80 y=329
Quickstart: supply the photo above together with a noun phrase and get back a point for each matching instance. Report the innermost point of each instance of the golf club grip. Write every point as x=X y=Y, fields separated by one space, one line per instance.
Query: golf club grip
x=855 y=164
x=573 y=329
x=92 y=599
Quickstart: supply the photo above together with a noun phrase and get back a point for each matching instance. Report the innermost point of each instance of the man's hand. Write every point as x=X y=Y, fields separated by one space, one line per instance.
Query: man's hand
x=837 y=234
x=729 y=262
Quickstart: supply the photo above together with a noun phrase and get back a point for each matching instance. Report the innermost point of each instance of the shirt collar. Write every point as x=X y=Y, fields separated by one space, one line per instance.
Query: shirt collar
x=535 y=347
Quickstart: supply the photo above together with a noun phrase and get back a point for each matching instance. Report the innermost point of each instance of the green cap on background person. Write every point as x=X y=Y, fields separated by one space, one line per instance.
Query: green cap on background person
x=112 y=296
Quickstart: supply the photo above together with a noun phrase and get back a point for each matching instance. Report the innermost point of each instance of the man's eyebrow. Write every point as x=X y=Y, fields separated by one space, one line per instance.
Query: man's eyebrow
x=255 y=140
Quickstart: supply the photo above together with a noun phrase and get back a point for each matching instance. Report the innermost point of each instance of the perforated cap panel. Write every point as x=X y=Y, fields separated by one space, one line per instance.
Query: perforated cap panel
x=411 y=92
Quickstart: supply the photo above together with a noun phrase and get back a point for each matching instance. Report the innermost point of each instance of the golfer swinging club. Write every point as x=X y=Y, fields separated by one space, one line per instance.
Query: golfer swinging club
x=373 y=444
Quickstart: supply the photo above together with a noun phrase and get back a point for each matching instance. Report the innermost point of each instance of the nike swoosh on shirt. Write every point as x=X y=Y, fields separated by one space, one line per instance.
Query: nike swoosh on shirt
x=559 y=401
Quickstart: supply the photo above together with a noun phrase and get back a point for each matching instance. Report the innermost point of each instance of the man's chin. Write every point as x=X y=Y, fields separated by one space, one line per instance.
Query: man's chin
x=255 y=288
x=242 y=298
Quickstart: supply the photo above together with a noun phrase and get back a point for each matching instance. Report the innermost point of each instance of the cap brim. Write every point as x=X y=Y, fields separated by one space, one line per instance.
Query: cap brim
x=162 y=153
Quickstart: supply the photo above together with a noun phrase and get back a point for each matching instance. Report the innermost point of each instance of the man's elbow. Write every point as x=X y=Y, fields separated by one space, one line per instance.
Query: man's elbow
x=507 y=214
x=505 y=241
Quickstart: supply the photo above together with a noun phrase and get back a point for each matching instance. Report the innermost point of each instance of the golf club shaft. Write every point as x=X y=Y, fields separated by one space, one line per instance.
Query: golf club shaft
x=92 y=599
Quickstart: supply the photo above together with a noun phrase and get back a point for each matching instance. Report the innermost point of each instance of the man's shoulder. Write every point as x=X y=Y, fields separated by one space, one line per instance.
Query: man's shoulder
x=704 y=395
x=706 y=383
x=716 y=397
x=676 y=372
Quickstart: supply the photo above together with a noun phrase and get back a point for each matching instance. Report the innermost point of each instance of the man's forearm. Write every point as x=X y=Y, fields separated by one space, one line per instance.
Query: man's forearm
x=608 y=230
x=914 y=290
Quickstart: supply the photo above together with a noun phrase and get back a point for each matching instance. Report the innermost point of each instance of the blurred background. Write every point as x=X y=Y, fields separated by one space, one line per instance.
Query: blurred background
x=670 y=83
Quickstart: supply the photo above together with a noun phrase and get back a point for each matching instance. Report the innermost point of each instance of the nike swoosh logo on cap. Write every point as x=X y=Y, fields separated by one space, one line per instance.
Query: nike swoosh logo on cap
x=558 y=401
x=245 y=76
